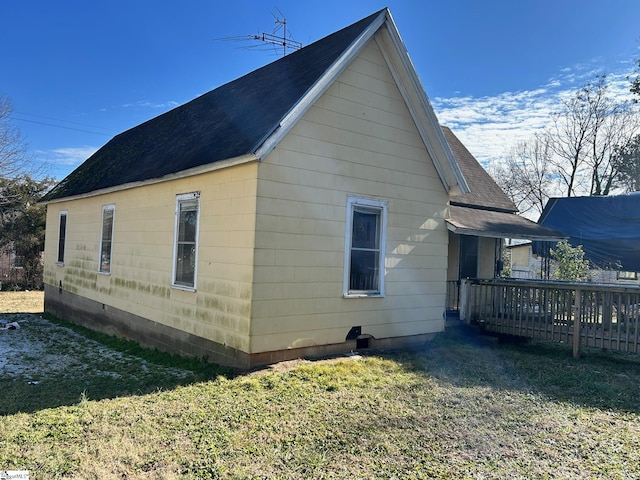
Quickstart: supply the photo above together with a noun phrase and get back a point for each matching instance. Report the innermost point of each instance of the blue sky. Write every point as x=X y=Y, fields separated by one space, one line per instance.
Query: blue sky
x=80 y=72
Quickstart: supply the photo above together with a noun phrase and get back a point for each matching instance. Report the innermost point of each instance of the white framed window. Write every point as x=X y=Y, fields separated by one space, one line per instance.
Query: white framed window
x=106 y=239
x=62 y=235
x=365 y=241
x=185 y=252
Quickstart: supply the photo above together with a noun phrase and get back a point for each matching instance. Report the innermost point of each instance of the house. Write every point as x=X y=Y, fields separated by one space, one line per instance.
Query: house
x=524 y=263
x=607 y=228
x=11 y=271
x=298 y=210
x=481 y=219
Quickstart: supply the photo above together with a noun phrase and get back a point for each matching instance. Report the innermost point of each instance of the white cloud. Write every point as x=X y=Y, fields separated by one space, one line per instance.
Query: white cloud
x=59 y=162
x=65 y=157
x=491 y=126
x=147 y=104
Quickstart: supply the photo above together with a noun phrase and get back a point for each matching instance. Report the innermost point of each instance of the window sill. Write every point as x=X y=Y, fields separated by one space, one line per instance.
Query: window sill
x=363 y=295
x=184 y=288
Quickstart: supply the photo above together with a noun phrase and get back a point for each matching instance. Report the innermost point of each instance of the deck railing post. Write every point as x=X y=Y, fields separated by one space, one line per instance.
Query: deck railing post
x=465 y=301
x=577 y=320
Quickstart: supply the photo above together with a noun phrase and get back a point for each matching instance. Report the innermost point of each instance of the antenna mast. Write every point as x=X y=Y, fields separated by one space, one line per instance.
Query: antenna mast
x=273 y=39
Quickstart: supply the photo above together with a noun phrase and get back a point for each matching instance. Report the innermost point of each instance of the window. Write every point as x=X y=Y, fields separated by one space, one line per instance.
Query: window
x=62 y=235
x=186 y=240
x=18 y=261
x=106 y=239
x=364 y=247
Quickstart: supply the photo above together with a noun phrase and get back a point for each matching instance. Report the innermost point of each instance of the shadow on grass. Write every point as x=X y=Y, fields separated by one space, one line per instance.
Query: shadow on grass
x=90 y=366
x=464 y=356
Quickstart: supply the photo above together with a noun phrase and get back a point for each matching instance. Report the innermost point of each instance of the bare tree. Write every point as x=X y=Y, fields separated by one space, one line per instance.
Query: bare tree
x=584 y=137
x=569 y=137
x=526 y=175
x=589 y=148
x=12 y=147
x=615 y=125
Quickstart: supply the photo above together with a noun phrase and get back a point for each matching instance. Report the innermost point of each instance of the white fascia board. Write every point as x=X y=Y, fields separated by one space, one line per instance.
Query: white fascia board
x=321 y=86
x=209 y=167
x=425 y=104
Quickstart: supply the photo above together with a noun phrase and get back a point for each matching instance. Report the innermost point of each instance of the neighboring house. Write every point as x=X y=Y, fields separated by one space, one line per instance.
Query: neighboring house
x=524 y=264
x=614 y=276
x=479 y=221
x=298 y=210
x=11 y=271
x=607 y=228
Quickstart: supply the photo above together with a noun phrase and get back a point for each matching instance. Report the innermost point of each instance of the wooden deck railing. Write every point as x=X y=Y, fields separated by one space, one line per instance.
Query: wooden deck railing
x=580 y=314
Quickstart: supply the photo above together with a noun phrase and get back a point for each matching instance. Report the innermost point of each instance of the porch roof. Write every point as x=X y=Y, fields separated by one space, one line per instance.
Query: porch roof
x=488 y=223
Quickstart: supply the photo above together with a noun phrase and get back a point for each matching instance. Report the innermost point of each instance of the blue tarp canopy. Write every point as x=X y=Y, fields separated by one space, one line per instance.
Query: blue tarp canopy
x=608 y=228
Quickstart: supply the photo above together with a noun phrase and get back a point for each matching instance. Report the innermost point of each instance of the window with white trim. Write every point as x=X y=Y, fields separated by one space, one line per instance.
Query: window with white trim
x=364 y=247
x=106 y=238
x=185 y=253
x=62 y=235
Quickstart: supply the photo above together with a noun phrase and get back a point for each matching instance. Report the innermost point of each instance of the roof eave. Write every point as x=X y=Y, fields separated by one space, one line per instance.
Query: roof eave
x=460 y=230
x=515 y=233
x=436 y=145
x=478 y=206
x=210 y=167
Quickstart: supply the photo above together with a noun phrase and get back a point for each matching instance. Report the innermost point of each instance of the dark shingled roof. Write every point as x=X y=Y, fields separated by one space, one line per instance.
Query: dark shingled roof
x=487 y=223
x=486 y=210
x=227 y=122
x=485 y=192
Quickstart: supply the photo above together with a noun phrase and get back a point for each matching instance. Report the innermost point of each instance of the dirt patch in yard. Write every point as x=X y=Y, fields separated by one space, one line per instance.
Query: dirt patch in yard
x=22 y=302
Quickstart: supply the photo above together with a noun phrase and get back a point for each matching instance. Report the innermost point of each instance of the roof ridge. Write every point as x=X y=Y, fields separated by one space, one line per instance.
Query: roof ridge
x=229 y=121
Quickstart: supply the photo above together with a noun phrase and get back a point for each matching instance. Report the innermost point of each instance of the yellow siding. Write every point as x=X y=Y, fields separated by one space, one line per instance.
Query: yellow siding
x=359 y=139
x=272 y=234
x=142 y=253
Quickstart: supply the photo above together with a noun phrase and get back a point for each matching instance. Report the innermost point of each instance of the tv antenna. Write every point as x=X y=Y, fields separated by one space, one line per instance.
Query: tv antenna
x=274 y=39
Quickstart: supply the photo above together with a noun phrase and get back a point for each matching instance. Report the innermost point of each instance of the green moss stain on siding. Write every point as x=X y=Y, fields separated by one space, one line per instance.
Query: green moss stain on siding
x=104 y=290
x=229 y=305
x=50 y=276
x=80 y=274
x=145 y=288
x=226 y=321
x=159 y=291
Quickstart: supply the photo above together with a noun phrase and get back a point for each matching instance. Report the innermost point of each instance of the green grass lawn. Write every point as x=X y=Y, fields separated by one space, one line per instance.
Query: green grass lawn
x=464 y=406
